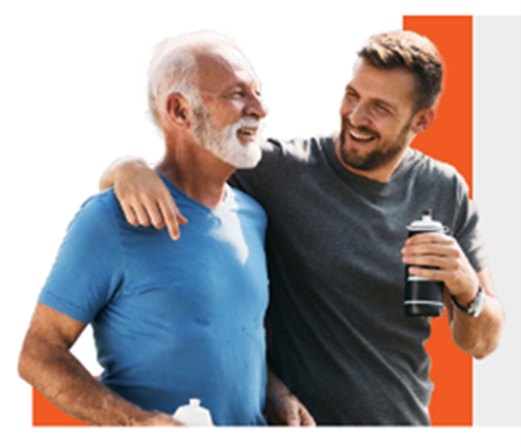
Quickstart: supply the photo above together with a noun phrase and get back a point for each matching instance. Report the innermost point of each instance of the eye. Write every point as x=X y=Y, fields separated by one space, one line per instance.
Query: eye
x=381 y=108
x=351 y=95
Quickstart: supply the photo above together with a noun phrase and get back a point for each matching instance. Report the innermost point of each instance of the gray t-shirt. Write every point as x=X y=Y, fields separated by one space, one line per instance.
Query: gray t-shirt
x=337 y=333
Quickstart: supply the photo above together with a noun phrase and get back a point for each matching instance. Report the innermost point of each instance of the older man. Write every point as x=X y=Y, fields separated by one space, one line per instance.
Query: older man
x=171 y=320
x=338 y=207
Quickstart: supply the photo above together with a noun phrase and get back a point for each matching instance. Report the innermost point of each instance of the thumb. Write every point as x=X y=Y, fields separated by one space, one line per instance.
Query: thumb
x=292 y=415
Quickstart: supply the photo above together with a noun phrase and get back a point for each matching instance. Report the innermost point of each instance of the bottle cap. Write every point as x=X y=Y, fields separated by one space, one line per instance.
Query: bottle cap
x=193 y=414
x=426 y=224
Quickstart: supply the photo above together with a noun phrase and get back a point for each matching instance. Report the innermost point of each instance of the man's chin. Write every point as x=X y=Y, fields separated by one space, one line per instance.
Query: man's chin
x=352 y=160
x=247 y=160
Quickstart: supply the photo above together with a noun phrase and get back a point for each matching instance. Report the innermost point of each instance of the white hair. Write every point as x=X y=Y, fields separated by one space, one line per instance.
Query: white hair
x=173 y=68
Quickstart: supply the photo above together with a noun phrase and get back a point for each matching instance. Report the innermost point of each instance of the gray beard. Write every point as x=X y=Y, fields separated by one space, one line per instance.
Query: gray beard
x=224 y=143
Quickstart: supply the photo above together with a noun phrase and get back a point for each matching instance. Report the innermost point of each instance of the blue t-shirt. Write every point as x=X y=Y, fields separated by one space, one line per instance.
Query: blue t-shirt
x=172 y=320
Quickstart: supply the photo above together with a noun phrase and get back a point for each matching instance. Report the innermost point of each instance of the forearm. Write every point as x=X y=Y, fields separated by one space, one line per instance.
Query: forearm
x=275 y=387
x=60 y=377
x=108 y=177
x=478 y=336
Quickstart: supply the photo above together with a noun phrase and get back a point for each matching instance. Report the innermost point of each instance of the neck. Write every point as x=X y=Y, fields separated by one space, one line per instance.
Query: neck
x=381 y=174
x=196 y=171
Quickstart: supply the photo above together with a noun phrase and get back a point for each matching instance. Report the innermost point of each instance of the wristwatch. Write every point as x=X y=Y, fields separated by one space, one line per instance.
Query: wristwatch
x=476 y=305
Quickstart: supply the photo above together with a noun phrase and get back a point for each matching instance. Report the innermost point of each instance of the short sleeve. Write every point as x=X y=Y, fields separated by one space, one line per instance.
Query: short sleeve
x=88 y=269
x=466 y=227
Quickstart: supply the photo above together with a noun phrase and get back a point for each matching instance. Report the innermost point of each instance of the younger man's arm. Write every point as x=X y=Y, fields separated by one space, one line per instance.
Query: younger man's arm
x=478 y=336
x=47 y=363
x=143 y=196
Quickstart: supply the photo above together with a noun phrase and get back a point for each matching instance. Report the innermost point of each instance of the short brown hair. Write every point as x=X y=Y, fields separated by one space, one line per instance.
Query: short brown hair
x=416 y=54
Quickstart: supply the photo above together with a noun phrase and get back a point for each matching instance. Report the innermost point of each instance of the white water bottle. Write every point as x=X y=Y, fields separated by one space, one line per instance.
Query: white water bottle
x=193 y=414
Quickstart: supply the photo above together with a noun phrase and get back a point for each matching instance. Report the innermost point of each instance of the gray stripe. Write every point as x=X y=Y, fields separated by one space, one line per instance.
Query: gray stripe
x=497 y=186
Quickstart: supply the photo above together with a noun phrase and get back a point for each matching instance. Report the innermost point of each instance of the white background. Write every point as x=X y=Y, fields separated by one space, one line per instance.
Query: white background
x=72 y=98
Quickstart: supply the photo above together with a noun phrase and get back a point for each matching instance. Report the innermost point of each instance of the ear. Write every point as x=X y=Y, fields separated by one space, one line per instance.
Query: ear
x=177 y=110
x=423 y=120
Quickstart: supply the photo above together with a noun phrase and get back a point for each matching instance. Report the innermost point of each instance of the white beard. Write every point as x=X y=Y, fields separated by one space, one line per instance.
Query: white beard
x=224 y=143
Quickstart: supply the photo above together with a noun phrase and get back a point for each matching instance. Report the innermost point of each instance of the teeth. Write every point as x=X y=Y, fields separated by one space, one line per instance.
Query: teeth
x=360 y=137
x=247 y=131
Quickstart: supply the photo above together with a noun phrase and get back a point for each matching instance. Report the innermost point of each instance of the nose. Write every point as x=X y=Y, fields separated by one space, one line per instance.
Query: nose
x=359 y=116
x=255 y=106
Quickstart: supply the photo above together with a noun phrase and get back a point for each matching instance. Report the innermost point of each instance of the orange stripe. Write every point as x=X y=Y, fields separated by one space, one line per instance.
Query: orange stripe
x=46 y=414
x=450 y=140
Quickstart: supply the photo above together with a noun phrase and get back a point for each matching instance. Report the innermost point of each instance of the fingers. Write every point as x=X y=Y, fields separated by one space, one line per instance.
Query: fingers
x=145 y=211
x=171 y=216
x=439 y=260
x=141 y=214
x=296 y=415
x=306 y=420
x=445 y=257
x=130 y=216
x=145 y=199
x=292 y=416
x=152 y=213
x=432 y=251
x=434 y=274
x=429 y=238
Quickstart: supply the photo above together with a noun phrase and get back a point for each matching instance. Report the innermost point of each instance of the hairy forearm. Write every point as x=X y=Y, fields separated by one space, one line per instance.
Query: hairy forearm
x=61 y=378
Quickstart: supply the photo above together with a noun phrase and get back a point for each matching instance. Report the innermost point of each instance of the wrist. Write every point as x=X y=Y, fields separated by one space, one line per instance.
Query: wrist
x=143 y=418
x=472 y=307
x=127 y=164
x=464 y=299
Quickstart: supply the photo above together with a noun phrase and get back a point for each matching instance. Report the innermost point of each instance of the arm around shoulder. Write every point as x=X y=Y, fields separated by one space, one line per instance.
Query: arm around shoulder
x=144 y=198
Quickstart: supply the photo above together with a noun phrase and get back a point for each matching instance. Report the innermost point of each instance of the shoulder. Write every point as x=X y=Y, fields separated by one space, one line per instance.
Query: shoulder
x=428 y=169
x=102 y=204
x=296 y=149
x=281 y=160
x=100 y=214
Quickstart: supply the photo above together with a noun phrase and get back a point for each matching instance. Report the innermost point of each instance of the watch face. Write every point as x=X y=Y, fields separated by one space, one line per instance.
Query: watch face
x=478 y=304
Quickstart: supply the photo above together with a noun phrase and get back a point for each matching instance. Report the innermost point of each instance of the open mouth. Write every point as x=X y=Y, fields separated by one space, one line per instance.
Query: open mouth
x=361 y=137
x=248 y=131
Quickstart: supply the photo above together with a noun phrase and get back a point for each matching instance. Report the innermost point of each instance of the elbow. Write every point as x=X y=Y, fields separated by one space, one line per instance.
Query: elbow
x=480 y=348
x=480 y=355
x=23 y=366
x=484 y=351
x=29 y=364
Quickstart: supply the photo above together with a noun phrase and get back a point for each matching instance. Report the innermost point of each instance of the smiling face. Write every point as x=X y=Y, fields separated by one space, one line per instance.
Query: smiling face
x=378 y=120
x=227 y=121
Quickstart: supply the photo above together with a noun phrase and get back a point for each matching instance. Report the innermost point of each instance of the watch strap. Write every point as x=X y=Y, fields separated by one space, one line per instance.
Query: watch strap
x=475 y=306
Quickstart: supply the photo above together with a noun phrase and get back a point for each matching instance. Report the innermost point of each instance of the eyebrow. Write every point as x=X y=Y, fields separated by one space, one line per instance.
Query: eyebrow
x=377 y=101
x=242 y=85
x=384 y=104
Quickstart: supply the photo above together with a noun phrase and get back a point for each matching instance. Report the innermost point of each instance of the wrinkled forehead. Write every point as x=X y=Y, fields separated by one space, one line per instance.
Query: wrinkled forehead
x=223 y=67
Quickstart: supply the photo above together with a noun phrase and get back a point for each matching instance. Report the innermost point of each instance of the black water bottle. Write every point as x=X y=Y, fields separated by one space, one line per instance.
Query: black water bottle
x=423 y=297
